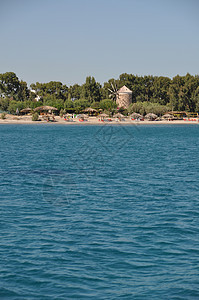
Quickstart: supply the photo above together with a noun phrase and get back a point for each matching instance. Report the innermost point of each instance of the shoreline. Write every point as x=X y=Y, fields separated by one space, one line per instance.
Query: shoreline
x=91 y=121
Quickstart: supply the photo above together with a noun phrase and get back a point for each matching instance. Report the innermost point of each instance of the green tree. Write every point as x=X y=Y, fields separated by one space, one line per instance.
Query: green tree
x=148 y=107
x=196 y=99
x=107 y=104
x=68 y=105
x=14 y=105
x=95 y=105
x=9 y=84
x=74 y=92
x=4 y=103
x=52 y=101
x=109 y=86
x=53 y=88
x=174 y=91
x=160 y=89
x=81 y=103
x=23 y=91
x=57 y=89
x=91 y=90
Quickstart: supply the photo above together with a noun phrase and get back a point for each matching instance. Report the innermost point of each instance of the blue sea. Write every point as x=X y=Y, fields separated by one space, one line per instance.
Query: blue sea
x=99 y=212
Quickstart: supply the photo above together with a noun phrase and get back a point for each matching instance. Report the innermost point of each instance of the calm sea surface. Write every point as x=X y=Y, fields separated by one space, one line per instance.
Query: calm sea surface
x=99 y=212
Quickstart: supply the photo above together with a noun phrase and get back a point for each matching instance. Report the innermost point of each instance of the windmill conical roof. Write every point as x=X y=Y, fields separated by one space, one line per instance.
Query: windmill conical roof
x=124 y=89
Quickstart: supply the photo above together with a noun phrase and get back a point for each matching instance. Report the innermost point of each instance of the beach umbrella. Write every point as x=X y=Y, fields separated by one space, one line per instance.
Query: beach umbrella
x=103 y=115
x=45 y=108
x=136 y=116
x=26 y=110
x=167 y=116
x=90 y=109
x=119 y=115
x=83 y=116
x=151 y=116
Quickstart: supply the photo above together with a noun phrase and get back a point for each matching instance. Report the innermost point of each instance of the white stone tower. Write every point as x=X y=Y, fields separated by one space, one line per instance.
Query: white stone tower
x=124 y=97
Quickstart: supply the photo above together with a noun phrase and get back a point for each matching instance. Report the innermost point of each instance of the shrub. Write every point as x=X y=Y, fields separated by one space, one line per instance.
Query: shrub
x=58 y=103
x=3 y=116
x=4 y=103
x=135 y=107
x=107 y=104
x=14 y=105
x=61 y=113
x=35 y=117
x=81 y=103
x=68 y=104
x=147 y=107
x=95 y=105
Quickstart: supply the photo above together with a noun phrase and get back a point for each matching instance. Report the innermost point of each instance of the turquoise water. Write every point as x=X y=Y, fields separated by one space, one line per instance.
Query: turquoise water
x=99 y=212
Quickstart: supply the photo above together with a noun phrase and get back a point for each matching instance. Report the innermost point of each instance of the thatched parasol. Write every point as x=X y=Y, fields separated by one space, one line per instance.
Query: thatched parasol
x=159 y=119
x=83 y=116
x=45 y=108
x=119 y=115
x=26 y=110
x=103 y=115
x=168 y=116
x=136 y=116
x=151 y=116
x=177 y=112
x=90 y=109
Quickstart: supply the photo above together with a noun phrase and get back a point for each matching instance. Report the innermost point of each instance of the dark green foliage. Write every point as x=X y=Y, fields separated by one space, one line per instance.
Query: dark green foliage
x=95 y=105
x=51 y=100
x=74 y=92
x=61 y=112
x=80 y=105
x=14 y=105
x=35 y=117
x=91 y=90
x=83 y=103
x=55 y=88
x=4 y=103
x=32 y=104
x=179 y=93
x=107 y=104
x=68 y=105
x=3 y=116
x=146 y=107
x=9 y=84
x=23 y=91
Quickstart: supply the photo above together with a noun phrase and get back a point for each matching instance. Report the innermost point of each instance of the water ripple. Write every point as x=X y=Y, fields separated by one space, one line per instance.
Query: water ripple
x=108 y=223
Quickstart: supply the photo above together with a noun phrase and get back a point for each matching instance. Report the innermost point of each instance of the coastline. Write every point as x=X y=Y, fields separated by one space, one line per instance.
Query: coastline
x=10 y=119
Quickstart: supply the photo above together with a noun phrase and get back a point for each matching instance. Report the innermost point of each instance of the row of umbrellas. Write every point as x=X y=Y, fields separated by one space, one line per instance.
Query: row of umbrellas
x=40 y=108
x=149 y=116
x=47 y=108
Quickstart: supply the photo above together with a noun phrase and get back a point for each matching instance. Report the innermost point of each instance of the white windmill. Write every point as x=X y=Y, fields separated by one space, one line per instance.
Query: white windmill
x=114 y=92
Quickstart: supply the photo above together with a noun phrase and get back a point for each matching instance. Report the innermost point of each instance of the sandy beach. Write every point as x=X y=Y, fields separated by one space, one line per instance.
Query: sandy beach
x=11 y=119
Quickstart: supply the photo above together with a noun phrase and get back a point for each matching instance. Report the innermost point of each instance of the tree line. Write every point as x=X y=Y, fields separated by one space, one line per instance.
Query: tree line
x=155 y=93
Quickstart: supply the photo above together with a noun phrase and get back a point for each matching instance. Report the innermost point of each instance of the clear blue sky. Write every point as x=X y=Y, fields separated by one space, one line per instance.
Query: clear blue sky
x=67 y=40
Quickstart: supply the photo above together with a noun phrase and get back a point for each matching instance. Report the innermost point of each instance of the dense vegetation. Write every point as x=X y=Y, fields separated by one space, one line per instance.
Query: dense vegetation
x=156 y=94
